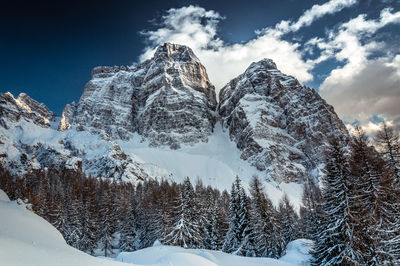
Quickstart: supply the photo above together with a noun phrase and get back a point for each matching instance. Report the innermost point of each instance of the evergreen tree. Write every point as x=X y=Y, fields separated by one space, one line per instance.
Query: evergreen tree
x=264 y=220
x=248 y=245
x=288 y=223
x=89 y=219
x=210 y=223
x=335 y=244
x=389 y=142
x=106 y=229
x=56 y=214
x=373 y=210
x=240 y=238
x=128 y=232
x=309 y=212
x=74 y=227
x=186 y=232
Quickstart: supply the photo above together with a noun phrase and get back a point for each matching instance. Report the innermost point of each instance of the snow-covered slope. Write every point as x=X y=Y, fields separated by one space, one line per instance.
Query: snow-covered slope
x=167 y=255
x=27 y=239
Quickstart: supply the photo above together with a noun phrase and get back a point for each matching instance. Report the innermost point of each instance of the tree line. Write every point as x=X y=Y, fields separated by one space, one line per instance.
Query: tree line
x=100 y=216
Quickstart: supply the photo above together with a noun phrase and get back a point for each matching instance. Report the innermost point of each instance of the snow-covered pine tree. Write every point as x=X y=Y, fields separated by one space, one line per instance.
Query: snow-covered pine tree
x=288 y=221
x=128 y=230
x=210 y=222
x=335 y=241
x=149 y=226
x=265 y=222
x=185 y=232
x=390 y=219
x=389 y=142
x=203 y=201
x=106 y=228
x=89 y=218
x=240 y=238
x=56 y=214
x=309 y=211
x=128 y=233
x=233 y=236
x=372 y=208
x=74 y=228
x=248 y=245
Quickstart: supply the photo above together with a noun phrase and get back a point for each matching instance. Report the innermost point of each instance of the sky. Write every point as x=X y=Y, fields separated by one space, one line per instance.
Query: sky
x=348 y=50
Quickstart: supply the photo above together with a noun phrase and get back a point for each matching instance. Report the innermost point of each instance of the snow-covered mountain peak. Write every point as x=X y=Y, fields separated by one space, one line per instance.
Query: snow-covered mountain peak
x=176 y=52
x=265 y=63
x=13 y=109
x=281 y=126
x=167 y=99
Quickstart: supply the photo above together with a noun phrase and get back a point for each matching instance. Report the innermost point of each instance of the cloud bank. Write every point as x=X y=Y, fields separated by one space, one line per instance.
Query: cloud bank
x=364 y=87
x=197 y=28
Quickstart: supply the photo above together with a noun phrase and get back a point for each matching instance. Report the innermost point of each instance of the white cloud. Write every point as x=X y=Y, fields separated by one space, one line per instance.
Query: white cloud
x=362 y=87
x=197 y=28
x=315 y=12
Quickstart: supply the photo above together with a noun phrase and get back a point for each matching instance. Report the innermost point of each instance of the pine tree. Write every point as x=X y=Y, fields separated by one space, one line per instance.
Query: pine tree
x=128 y=232
x=89 y=220
x=309 y=212
x=210 y=223
x=335 y=244
x=74 y=227
x=288 y=223
x=233 y=236
x=264 y=220
x=56 y=214
x=106 y=229
x=240 y=238
x=389 y=142
x=186 y=231
x=248 y=245
x=373 y=210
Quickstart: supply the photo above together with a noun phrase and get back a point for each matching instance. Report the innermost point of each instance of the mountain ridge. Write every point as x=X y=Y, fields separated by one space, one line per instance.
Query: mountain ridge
x=266 y=123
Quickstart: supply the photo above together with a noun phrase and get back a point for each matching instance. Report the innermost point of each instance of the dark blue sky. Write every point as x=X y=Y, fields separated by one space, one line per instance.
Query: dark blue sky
x=47 y=49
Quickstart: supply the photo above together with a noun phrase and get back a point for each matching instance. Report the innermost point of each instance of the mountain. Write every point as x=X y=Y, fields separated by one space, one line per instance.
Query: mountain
x=280 y=126
x=160 y=119
x=168 y=99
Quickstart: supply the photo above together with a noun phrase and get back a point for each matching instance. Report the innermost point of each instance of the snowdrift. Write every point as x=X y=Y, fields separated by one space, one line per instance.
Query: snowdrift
x=27 y=239
x=160 y=255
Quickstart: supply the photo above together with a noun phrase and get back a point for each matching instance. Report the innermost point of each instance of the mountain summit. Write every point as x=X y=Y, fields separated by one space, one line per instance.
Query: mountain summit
x=281 y=127
x=167 y=99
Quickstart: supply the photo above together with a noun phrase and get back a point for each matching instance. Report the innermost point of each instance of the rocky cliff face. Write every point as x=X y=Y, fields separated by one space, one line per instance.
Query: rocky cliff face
x=167 y=100
x=28 y=142
x=23 y=107
x=280 y=126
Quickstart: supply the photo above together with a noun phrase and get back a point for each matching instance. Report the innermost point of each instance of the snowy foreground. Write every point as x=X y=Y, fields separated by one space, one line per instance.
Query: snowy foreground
x=177 y=256
x=27 y=239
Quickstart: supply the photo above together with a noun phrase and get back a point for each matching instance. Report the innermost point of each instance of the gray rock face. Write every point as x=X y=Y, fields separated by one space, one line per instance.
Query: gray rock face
x=167 y=99
x=281 y=126
x=14 y=109
x=28 y=143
